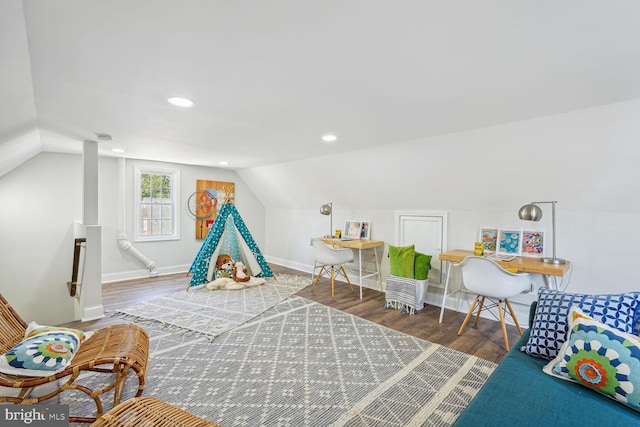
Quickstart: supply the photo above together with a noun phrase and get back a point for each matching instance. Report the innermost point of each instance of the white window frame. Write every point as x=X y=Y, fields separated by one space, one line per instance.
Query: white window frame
x=175 y=202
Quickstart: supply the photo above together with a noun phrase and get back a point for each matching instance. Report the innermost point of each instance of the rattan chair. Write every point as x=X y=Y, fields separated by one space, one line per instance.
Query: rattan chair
x=149 y=412
x=111 y=350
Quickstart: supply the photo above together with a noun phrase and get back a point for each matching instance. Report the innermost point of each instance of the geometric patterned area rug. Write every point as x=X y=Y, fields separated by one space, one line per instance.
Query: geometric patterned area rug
x=301 y=363
x=210 y=313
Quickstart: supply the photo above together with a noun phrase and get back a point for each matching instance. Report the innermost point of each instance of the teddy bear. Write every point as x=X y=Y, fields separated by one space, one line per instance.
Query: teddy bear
x=240 y=272
x=232 y=276
x=225 y=267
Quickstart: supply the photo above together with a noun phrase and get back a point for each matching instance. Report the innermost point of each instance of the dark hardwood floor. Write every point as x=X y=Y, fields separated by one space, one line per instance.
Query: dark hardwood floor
x=484 y=341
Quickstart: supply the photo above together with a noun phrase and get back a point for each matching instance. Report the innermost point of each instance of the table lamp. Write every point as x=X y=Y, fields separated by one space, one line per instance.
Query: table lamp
x=327 y=209
x=532 y=212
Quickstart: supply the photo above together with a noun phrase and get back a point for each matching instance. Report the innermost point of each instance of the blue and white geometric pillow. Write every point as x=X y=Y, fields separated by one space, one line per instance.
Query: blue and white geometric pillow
x=550 y=323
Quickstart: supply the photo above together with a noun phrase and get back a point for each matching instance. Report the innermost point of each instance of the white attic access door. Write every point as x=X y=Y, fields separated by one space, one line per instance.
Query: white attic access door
x=427 y=230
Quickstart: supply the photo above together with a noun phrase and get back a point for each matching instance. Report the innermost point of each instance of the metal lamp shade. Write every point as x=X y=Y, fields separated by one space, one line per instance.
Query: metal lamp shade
x=327 y=209
x=530 y=212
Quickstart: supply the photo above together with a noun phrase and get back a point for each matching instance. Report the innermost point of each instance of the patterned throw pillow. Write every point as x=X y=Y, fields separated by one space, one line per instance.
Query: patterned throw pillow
x=601 y=358
x=549 y=329
x=45 y=351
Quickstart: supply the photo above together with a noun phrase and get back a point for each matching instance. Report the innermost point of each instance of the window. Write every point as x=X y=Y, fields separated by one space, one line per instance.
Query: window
x=156 y=201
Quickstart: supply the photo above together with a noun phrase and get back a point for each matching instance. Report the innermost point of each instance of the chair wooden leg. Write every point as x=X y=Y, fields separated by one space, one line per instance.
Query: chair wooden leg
x=466 y=319
x=344 y=272
x=504 y=326
x=332 y=281
x=315 y=282
x=479 y=310
x=513 y=316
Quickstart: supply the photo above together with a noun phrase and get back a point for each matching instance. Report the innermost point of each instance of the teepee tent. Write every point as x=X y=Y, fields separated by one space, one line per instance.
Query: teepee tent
x=228 y=235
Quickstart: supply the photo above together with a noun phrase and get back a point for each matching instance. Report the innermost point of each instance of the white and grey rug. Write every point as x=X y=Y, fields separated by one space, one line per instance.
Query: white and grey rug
x=305 y=364
x=210 y=313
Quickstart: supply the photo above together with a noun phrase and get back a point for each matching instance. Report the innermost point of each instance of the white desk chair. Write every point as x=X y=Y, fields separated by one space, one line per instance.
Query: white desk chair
x=330 y=259
x=487 y=279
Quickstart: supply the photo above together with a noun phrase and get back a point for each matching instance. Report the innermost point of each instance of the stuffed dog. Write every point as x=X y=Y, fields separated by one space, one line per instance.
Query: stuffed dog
x=240 y=272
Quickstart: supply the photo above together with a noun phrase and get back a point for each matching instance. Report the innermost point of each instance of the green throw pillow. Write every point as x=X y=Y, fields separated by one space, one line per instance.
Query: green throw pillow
x=402 y=260
x=422 y=263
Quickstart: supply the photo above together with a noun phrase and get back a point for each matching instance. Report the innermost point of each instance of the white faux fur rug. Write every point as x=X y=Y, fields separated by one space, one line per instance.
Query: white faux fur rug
x=212 y=312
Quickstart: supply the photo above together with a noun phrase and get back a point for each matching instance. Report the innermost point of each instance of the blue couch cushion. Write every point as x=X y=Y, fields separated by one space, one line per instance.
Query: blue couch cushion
x=519 y=394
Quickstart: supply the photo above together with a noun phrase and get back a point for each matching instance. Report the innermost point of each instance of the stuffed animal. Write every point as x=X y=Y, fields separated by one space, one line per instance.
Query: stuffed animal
x=224 y=267
x=240 y=272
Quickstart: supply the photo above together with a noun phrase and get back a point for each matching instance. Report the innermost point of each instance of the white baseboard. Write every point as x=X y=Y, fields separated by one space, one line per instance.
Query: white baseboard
x=93 y=313
x=144 y=273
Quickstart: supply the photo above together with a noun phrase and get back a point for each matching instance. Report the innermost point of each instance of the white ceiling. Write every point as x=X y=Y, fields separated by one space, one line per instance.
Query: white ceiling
x=269 y=78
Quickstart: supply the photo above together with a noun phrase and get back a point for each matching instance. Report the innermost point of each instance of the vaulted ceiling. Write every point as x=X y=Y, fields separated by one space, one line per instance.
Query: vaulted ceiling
x=269 y=78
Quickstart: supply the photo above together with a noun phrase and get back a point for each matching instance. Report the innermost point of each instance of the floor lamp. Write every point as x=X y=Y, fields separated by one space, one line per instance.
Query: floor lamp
x=532 y=212
x=327 y=209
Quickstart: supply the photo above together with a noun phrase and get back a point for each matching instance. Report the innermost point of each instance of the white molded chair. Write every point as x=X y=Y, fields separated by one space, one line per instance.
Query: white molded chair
x=487 y=279
x=330 y=259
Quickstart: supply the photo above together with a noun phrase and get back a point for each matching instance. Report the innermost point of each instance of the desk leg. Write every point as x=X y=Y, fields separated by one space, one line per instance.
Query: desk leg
x=360 y=269
x=446 y=291
x=548 y=282
x=375 y=252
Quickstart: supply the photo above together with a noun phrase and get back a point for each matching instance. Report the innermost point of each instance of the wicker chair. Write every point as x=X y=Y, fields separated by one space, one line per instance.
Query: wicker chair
x=149 y=411
x=114 y=350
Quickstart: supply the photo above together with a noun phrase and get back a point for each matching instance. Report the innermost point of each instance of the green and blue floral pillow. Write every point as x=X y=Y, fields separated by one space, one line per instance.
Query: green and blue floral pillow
x=599 y=357
x=44 y=351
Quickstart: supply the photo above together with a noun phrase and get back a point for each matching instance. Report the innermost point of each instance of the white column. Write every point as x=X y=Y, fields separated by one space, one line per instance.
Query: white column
x=91 y=296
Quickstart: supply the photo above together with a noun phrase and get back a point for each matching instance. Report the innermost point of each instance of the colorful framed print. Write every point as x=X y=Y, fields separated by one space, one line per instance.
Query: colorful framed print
x=489 y=239
x=532 y=243
x=509 y=241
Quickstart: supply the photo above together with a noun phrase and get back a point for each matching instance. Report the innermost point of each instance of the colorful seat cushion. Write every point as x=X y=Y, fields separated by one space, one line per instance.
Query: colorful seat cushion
x=44 y=351
x=601 y=358
x=549 y=329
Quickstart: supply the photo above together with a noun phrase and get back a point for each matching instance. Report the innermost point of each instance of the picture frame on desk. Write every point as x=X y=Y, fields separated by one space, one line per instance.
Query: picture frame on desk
x=357 y=229
x=352 y=229
x=532 y=243
x=489 y=239
x=365 y=230
x=509 y=241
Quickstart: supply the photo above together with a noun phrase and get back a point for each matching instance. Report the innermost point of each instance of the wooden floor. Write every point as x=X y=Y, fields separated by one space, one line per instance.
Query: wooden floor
x=484 y=341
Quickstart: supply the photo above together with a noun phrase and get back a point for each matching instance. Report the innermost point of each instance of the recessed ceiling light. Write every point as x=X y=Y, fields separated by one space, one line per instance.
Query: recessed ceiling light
x=104 y=137
x=180 y=102
x=117 y=150
x=329 y=138
x=223 y=163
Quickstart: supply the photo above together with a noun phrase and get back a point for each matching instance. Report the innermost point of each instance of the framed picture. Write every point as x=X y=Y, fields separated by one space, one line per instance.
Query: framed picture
x=353 y=229
x=509 y=241
x=365 y=230
x=532 y=243
x=489 y=239
x=219 y=192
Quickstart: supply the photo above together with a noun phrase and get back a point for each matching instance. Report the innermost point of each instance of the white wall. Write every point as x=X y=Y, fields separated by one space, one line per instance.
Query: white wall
x=41 y=200
x=586 y=160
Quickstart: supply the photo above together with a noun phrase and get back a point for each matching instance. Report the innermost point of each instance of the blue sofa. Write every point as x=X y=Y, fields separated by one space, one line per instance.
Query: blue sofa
x=519 y=394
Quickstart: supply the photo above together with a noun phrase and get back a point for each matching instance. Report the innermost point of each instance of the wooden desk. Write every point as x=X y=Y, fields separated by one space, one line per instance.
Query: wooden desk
x=523 y=264
x=360 y=245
